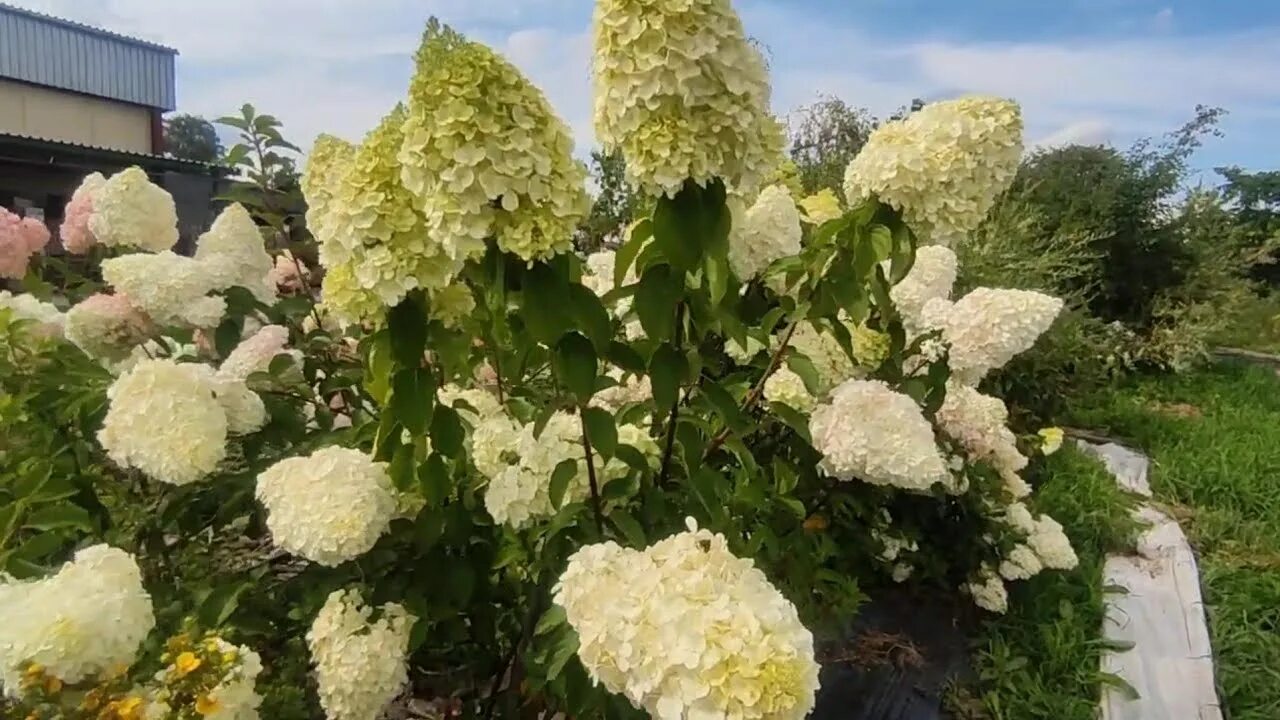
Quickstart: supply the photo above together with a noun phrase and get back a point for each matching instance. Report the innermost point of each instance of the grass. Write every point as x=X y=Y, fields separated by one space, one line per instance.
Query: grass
x=1255 y=327
x=1041 y=660
x=1214 y=439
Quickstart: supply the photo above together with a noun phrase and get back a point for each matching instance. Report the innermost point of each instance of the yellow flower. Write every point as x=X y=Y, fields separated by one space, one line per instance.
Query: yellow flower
x=52 y=685
x=816 y=523
x=821 y=207
x=129 y=708
x=186 y=663
x=207 y=705
x=1050 y=440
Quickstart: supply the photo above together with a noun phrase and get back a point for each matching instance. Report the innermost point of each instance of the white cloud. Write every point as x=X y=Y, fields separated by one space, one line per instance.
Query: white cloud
x=1084 y=132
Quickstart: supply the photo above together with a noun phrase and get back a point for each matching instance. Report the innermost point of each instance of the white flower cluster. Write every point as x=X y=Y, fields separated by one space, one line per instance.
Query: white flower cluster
x=484 y=154
x=989 y=327
x=361 y=663
x=767 y=231
x=520 y=464
x=942 y=166
x=931 y=278
x=255 y=353
x=374 y=242
x=980 y=424
x=833 y=364
x=170 y=288
x=786 y=387
x=681 y=91
x=48 y=318
x=684 y=629
x=743 y=355
x=630 y=389
x=131 y=211
x=165 y=420
x=866 y=431
x=328 y=507
x=1045 y=546
x=233 y=254
x=988 y=591
x=107 y=327
x=597 y=276
x=87 y=619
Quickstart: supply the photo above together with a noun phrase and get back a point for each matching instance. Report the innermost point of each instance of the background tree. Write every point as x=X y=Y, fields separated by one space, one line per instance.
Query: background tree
x=825 y=136
x=616 y=204
x=1255 y=199
x=191 y=137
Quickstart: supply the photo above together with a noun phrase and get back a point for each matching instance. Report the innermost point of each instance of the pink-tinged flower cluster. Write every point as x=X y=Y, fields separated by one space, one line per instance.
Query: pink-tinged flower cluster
x=107 y=326
x=290 y=274
x=76 y=236
x=20 y=238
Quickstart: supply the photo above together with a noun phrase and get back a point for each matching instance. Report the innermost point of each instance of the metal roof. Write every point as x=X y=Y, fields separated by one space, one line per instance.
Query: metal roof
x=45 y=50
x=43 y=150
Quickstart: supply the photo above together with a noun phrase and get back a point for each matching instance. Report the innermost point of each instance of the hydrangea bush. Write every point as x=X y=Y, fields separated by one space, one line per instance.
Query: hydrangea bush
x=494 y=474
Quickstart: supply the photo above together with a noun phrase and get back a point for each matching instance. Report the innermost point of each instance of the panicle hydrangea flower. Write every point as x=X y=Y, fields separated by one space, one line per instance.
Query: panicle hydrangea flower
x=681 y=91
x=684 y=629
x=48 y=318
x=943 y=166
x=980 y=423
x=328 y=507
x=820 y=207
x=234 y=255
x=164 y=419
x=169 y=288
x=741 y=355
x=786 y=387
x=373 y=233
x=20 y=238
x=485 y=155
x=244 y=409
x=453 y=304
x=870 y=347
x=88 y=618
x=1020 y=564
x=522 y=492
x=629 y=390
x=988 y=591
x=361 y=663
x=255 y=353
x=866 y=431
x=76 y=236
x=597 y=276
x=988 y=327
x=131 y=211
x=107 y=327
x=931 y=277
x=289 y=274
x=1051 y=545
x=473 y=404
x=823 y=350
x=767 y=231
x=327 y=165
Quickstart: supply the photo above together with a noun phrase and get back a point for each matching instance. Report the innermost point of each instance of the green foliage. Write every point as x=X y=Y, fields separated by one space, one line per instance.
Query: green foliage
x=191 y=137
x=825 y=136
x=269 y=183
x=616 y=204
x=1215 y=448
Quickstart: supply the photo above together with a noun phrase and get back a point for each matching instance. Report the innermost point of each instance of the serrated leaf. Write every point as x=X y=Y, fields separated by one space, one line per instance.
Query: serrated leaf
x=447 y=433
x=560 y=477
x=630 y=529
x=666 y=374
x=626 y=255
x=220 y=603
x=412 y=396
x=407 y=328
x=724 y=405
x=401 y=468
x=590 y=317
x=793 y=419
x=553 y=618
x=625 y=357
x=543 y=293
x=59 y=517
x=601 y=431
x=656 y=300
x=576 y=365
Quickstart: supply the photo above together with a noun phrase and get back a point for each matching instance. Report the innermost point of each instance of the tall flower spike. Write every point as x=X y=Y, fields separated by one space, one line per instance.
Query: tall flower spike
x=234 y=254
x=131 y=211
x=942 y=166
x=373 y=238
x=683 y=93
x=485 y=155
x=328 y=164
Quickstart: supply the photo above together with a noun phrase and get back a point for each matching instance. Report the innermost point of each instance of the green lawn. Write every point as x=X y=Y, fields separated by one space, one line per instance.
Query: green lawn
x=1042 y=659
x=1214 y=439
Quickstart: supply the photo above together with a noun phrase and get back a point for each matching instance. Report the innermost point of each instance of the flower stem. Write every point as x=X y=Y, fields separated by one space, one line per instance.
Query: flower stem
x=754 y=396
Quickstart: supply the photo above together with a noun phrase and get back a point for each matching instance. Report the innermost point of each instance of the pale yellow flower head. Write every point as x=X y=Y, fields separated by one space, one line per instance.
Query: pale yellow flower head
x=683 y=94
x=485 y=155
x=942 y=166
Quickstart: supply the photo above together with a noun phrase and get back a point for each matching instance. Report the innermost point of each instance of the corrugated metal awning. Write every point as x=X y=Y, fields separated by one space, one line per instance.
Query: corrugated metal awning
x=50 y=51
x=28 y=149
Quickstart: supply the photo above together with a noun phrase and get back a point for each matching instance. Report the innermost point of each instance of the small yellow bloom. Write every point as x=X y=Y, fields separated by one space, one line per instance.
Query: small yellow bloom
x=816 y=523
x=206 y=705
x=1050 y=440
x=52 y=685
x=129 y=708
x=186 y=663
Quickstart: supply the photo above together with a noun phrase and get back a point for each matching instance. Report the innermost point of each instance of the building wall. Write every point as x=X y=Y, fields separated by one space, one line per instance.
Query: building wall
x=56 y=115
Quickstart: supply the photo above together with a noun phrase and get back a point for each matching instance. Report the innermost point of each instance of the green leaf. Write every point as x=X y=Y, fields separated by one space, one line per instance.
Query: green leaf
x=785 y=477
x=626 y=255
x=446 y=431
x=39 y=546
x=552 y=619
x=576 y=365
x=625 y=357
x=560 y=478
x=566 y=647
x=619 y=488
x=413 y=392
x=601 y=431
x=542 y=305
x=694 y=222
x=227 y=336
x=667 y=370
x=58 y=517
x=220 y=603
x=433 y=478
x=715 y=268
x=656 y=300
x=590 y=317
x=633 y=458
x=378 y=364
x=407 y=326
x=401 y=468
x=880 y=242
x=630 y=529
x=793 y=419
x=725 y=405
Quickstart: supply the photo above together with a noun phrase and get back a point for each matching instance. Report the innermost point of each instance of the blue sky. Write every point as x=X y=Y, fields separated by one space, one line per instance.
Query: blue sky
x=1084 y=70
